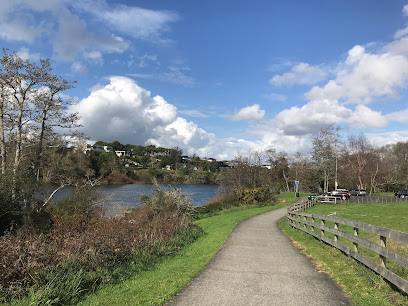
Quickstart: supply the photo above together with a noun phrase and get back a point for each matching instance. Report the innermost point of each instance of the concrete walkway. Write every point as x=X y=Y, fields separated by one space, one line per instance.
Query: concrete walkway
x=258 y=265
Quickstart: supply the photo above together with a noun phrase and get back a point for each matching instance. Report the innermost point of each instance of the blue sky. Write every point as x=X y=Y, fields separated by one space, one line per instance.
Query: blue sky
x=218 y=78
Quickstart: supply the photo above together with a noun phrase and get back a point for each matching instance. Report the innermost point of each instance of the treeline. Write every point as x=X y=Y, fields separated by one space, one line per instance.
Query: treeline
x=143 y=163
x=352 y=163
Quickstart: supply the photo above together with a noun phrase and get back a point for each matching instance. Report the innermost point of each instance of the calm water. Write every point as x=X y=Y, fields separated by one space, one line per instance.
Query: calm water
x=127 y=196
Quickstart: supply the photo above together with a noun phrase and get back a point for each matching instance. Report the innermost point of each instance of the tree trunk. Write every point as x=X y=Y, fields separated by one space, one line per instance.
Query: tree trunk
x=2 y=137
x=40 y=144
x=17 y=157
x=286 y=180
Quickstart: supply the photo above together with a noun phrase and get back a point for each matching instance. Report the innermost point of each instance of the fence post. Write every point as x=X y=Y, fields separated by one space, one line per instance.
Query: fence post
x=304 y=224
x=336 y=227
x=322 y=229
x=355 y=243
x=312 y=227
x=383 y=243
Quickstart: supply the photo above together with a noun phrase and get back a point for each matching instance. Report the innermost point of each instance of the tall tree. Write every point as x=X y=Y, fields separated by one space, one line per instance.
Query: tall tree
x=52 y=111
x=279 y=168
x=3 y=104
x=22 y=80
x=362 y=161
x=325 y=154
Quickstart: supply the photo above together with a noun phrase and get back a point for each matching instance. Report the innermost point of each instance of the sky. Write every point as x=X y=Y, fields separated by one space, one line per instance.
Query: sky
x=220 y=78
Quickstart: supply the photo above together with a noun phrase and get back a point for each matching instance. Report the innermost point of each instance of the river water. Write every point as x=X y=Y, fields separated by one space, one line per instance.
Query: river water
x=122 y=197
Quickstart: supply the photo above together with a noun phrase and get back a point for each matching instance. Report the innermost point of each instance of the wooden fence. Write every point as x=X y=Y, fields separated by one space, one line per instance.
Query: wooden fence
x=365 y=199
x=306 y=222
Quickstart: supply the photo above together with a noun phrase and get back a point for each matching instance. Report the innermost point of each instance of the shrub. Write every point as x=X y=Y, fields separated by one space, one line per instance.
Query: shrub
x=255 y=195
x=83 y=250
x=79 y=209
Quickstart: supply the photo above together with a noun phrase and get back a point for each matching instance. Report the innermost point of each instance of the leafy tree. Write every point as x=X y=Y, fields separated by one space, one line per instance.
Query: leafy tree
x=107 y=161
x=117 y=146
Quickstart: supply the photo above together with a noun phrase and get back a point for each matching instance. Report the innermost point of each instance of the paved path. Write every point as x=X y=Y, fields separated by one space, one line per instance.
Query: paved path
x=258 y=265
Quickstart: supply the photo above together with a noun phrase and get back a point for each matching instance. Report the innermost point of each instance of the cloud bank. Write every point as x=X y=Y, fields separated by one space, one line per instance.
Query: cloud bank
x=124 y=111
x=66 y=25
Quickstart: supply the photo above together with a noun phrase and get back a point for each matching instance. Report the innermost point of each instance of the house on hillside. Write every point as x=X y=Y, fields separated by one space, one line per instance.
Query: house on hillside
x=97 y=148
x=211 y=159
x=123 y=153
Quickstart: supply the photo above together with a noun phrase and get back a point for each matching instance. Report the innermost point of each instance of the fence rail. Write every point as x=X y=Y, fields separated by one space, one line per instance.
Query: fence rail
x=306 y=222
x=364 y=199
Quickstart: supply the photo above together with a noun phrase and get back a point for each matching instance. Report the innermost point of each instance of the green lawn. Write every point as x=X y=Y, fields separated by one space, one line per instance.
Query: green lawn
x=390 y=215
x=158 y=285
x=363 y=285
x=384 y=194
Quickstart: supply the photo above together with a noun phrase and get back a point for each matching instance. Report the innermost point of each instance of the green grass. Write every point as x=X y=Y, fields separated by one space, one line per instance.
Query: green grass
x=390 y=215
x=383 y=194
x=363 y=285
x=163 y=281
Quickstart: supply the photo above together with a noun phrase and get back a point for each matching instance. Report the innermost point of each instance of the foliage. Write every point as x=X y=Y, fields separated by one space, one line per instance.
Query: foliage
x=246 y=173
x=93 y=250
x=255 y=195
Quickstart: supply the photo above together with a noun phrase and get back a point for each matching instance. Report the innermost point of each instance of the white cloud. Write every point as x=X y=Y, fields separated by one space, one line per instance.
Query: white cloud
x=401 y=33
x=364 y=76
x=193 y=113
x=317 y=114
x=77 y=67
x=122 y=110
x=176 y=73
x=145 y=59
x=25 y=54
x=301 y=73
x=311 y=117
x=405 y=10
x=73 y=38
x=94 y=56
x=252 y=112
x=381 y=139
x=67 y=25
x=363 y=117
x=137 y=22
x=399 y=116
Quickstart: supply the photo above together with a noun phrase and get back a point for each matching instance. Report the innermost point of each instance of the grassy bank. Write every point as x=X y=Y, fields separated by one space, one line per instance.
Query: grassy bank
x=167 y=278
x=363 y=285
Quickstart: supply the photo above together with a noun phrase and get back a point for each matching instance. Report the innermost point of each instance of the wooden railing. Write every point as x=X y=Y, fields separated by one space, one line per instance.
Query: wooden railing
x=306 y=222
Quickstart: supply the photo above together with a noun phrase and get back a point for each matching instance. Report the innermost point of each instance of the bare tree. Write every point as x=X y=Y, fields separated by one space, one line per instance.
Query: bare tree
x=302 y=169
x=362 y=160
x=279 y=168
x=3 y=104
x=52 y=111
x=22 y=79
x=324 y=154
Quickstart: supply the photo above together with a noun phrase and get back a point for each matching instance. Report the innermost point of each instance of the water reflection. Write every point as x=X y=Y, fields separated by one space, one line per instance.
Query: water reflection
x=122 y=197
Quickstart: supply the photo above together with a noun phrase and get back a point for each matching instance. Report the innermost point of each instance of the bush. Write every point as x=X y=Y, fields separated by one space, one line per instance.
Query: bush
x=226 y=200
x=255 y=195
x=83 y=250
